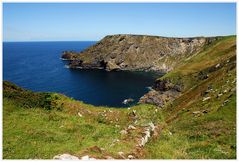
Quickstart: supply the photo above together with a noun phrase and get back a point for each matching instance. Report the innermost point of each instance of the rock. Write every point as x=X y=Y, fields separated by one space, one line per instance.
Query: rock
x=86 y=157
x=196 y=112
x=79 y=114
x=123 y=132
x=111 y=66
x=131 y=127
x=159 y=98
x=219 y=95
x=65 y=157
x=127 y=52
x=126 y=101
x=206 y=98
x=130 y=156
x=109 y=158
x=152 y=126
x=121 y=154
x=217 y=66
x=225 y=91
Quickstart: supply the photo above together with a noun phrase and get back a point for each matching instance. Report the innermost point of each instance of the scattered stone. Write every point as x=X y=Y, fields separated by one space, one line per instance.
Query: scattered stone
x=126 y=101
x=65 y=157
x=219 y=95
x=86 y=157
x=121 y=154
x=123 y=132
x=117 y=126
x=170 y=133
x=196 y=112
x=79 y=114
x=225 y=91
x=129 y=108
x=152 y=126
x=131 y=127
x=217 y=66
x=206 y=98
x=109 y=158
x=130 y=156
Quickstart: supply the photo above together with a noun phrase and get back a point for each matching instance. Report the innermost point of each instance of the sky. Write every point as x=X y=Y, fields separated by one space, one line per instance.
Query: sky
x=92 y=21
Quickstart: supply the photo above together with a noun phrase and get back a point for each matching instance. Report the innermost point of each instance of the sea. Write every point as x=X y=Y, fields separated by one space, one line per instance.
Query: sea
x=37 y=66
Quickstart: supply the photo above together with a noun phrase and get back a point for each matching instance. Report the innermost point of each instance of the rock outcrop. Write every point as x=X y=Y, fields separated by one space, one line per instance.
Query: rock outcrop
x=137 y=52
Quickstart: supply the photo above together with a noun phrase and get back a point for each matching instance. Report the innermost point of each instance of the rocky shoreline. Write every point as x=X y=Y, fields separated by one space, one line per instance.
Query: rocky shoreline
x=141 y=53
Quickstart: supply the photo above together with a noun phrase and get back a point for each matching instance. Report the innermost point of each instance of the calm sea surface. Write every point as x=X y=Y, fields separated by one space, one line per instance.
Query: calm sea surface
x=37 y=66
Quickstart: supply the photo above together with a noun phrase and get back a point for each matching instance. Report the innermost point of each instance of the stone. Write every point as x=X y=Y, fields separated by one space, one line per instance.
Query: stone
x=86 y=157
x=206 y=98
x=123 y=132
x=130 y=156
x=79 y=114
x=111 y=66
x=131 y=127
x=217 y=66
x=196 y=112
x=127 y=52
x=109 y=158
x=65 y=157
x=152 y=126
x=219 y=95
x=126 y=101
x=121 y=154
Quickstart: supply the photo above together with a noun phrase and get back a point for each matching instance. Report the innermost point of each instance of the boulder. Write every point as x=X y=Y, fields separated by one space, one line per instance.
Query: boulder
x=65 y=157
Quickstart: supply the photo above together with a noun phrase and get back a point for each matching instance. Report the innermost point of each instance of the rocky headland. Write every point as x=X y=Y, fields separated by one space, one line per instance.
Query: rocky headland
x=137 y=52
x=142 y=53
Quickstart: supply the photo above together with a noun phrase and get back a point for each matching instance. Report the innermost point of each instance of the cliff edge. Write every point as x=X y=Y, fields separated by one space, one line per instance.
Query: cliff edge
x=137 y=52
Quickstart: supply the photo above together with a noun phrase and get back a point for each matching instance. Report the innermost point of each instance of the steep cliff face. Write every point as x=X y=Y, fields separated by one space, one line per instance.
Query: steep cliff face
x=137 y=52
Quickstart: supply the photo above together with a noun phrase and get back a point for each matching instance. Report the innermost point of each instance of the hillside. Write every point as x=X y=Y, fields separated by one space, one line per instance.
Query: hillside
x=189 y=114
x=137 y=52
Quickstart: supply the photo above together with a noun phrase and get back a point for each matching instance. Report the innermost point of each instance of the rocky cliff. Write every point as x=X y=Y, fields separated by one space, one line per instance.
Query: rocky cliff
x=137 y=52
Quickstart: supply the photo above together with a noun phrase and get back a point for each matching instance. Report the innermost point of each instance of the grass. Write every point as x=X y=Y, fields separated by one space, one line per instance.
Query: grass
x=53 y=126
x=210 y=134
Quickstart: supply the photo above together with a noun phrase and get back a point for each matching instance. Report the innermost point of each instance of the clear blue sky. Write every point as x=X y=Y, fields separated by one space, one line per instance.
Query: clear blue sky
x=91 y=21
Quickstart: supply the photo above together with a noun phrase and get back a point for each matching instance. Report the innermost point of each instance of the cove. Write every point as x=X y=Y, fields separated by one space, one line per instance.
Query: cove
x=37 y=66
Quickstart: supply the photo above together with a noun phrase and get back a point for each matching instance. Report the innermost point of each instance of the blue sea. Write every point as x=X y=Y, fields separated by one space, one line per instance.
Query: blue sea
x=37 y=66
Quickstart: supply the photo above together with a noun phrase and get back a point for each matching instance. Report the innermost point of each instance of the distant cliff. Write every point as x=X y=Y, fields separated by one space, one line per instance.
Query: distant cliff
x=137 y=52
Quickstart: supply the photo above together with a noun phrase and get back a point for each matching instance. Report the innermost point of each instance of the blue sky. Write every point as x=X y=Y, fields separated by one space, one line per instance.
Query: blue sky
x=92 y=21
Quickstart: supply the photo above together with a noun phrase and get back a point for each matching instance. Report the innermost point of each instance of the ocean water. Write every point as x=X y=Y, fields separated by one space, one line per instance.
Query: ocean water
x=37 y=66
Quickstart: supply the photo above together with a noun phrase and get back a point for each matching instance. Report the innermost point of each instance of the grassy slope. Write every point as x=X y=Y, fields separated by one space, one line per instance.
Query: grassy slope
x=210 y=134
x=41 y=125
x=41 y=130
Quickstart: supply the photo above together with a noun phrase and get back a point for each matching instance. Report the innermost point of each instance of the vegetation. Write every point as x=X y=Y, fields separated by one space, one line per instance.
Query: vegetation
x=199 y=124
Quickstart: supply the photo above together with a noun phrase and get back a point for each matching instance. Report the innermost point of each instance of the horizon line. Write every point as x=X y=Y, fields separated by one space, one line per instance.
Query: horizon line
x=116 y=35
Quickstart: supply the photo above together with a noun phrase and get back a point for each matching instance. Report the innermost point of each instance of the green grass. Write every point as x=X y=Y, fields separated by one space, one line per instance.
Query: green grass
x=41 y=130
x=210 y=135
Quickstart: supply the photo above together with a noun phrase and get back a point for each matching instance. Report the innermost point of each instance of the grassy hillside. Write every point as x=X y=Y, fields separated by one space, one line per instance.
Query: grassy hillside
x=199 y=124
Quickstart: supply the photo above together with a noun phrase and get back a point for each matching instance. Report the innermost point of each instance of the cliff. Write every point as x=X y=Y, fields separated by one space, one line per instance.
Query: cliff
x=137 y=52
